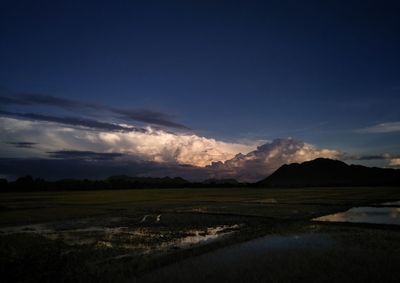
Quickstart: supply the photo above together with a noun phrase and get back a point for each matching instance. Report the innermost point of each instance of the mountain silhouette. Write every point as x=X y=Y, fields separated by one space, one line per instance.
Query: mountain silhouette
x=328 y=172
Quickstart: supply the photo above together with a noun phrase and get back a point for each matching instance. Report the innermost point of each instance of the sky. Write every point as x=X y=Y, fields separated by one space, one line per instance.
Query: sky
x=200 y=89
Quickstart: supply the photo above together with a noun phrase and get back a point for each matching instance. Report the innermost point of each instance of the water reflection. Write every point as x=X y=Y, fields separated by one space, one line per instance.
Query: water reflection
x=251 y=261
x=137 y=240
x=374 y=215
x=205 y=236
x=392 y=203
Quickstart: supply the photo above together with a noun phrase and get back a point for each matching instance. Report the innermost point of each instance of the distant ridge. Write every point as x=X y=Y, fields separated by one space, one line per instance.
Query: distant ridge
x=119 y=182
x=327 y=172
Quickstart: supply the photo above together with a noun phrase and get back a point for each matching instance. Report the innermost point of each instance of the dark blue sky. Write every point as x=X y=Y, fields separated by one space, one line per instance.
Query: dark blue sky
x=321 y=71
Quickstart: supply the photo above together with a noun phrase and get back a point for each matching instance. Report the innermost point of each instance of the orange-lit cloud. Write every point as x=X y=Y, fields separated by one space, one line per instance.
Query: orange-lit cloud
x=151 y=145
x=211 y=157
x=394 y=162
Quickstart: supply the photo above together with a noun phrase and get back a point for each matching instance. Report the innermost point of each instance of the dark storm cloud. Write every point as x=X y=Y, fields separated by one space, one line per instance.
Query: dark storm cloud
x=148 y=116
x=372 y=157
x=73 y=121
x=9 y=100
x=378 y=156
x=375 y=157
x=41 y=99
x=87 y=155
x=23 y=144
x=139 y=115
x=33 y=99
x=55 y=169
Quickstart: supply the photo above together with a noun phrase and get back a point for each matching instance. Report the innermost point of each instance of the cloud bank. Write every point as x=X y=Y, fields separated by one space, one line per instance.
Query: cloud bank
x=100 y=148
x=149 y=145
x=160 y=152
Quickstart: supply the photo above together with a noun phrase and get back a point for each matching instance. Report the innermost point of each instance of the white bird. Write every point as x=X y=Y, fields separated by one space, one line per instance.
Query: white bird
x=144 y=218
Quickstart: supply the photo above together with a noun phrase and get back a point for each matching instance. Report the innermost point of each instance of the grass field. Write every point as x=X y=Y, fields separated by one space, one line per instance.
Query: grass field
x=125 y=235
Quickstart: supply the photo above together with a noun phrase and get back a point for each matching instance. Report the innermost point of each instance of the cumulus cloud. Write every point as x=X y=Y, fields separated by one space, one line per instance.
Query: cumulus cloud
x=150 y=145
x=389 y=127
x=267 y=158
x=161 y=146
x=100 y=138
x=153 y=152
x=394 y=162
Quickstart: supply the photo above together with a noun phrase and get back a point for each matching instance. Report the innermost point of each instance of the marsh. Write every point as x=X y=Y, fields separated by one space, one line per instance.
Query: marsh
x=248 y=235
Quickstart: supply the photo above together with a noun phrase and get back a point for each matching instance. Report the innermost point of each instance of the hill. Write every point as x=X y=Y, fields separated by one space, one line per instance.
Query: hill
x=328 y=172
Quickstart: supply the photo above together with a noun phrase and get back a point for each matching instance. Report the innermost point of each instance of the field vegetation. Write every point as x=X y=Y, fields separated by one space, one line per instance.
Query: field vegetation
x=125 y=235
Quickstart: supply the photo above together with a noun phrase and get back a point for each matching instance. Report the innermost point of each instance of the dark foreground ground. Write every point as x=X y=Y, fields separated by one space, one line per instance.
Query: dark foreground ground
x=195 y=235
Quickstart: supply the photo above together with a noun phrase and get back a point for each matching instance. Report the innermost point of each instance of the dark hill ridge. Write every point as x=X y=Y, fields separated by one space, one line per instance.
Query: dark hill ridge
x=28 y=183
x=328 y=172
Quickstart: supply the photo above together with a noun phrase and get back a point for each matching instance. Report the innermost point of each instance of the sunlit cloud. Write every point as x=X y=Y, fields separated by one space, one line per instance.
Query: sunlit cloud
x=394 y=162
x=150 y=145
x=267 y=158
x=160 y=152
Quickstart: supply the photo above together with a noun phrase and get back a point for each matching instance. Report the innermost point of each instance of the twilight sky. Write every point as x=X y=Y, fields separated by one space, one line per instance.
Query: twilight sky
x=224 y=89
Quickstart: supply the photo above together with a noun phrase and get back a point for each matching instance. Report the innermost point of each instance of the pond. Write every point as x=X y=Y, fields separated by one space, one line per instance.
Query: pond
x=368 y=214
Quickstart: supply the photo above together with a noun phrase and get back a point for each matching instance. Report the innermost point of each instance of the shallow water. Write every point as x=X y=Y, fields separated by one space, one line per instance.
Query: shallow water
x=373 y=215
x=249 y=258
x=202 y=237
x=392 y=203
x=132 y=239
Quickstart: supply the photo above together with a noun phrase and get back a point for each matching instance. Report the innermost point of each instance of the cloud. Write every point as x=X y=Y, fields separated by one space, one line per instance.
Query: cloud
x=127 y=114
x=250 y=167
x=347 y=156
x=148 y=116
x=86 y=155
x=149 y=145
x=267 y=158
x=384 y=156
x=394 y=162
x=369 y=157
x=153 y=152
x=73 y=121
x=391 y=160
x=10 y=100
x=161 y=146
x=22 y=144
x=30 y=99
x=389 y=127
